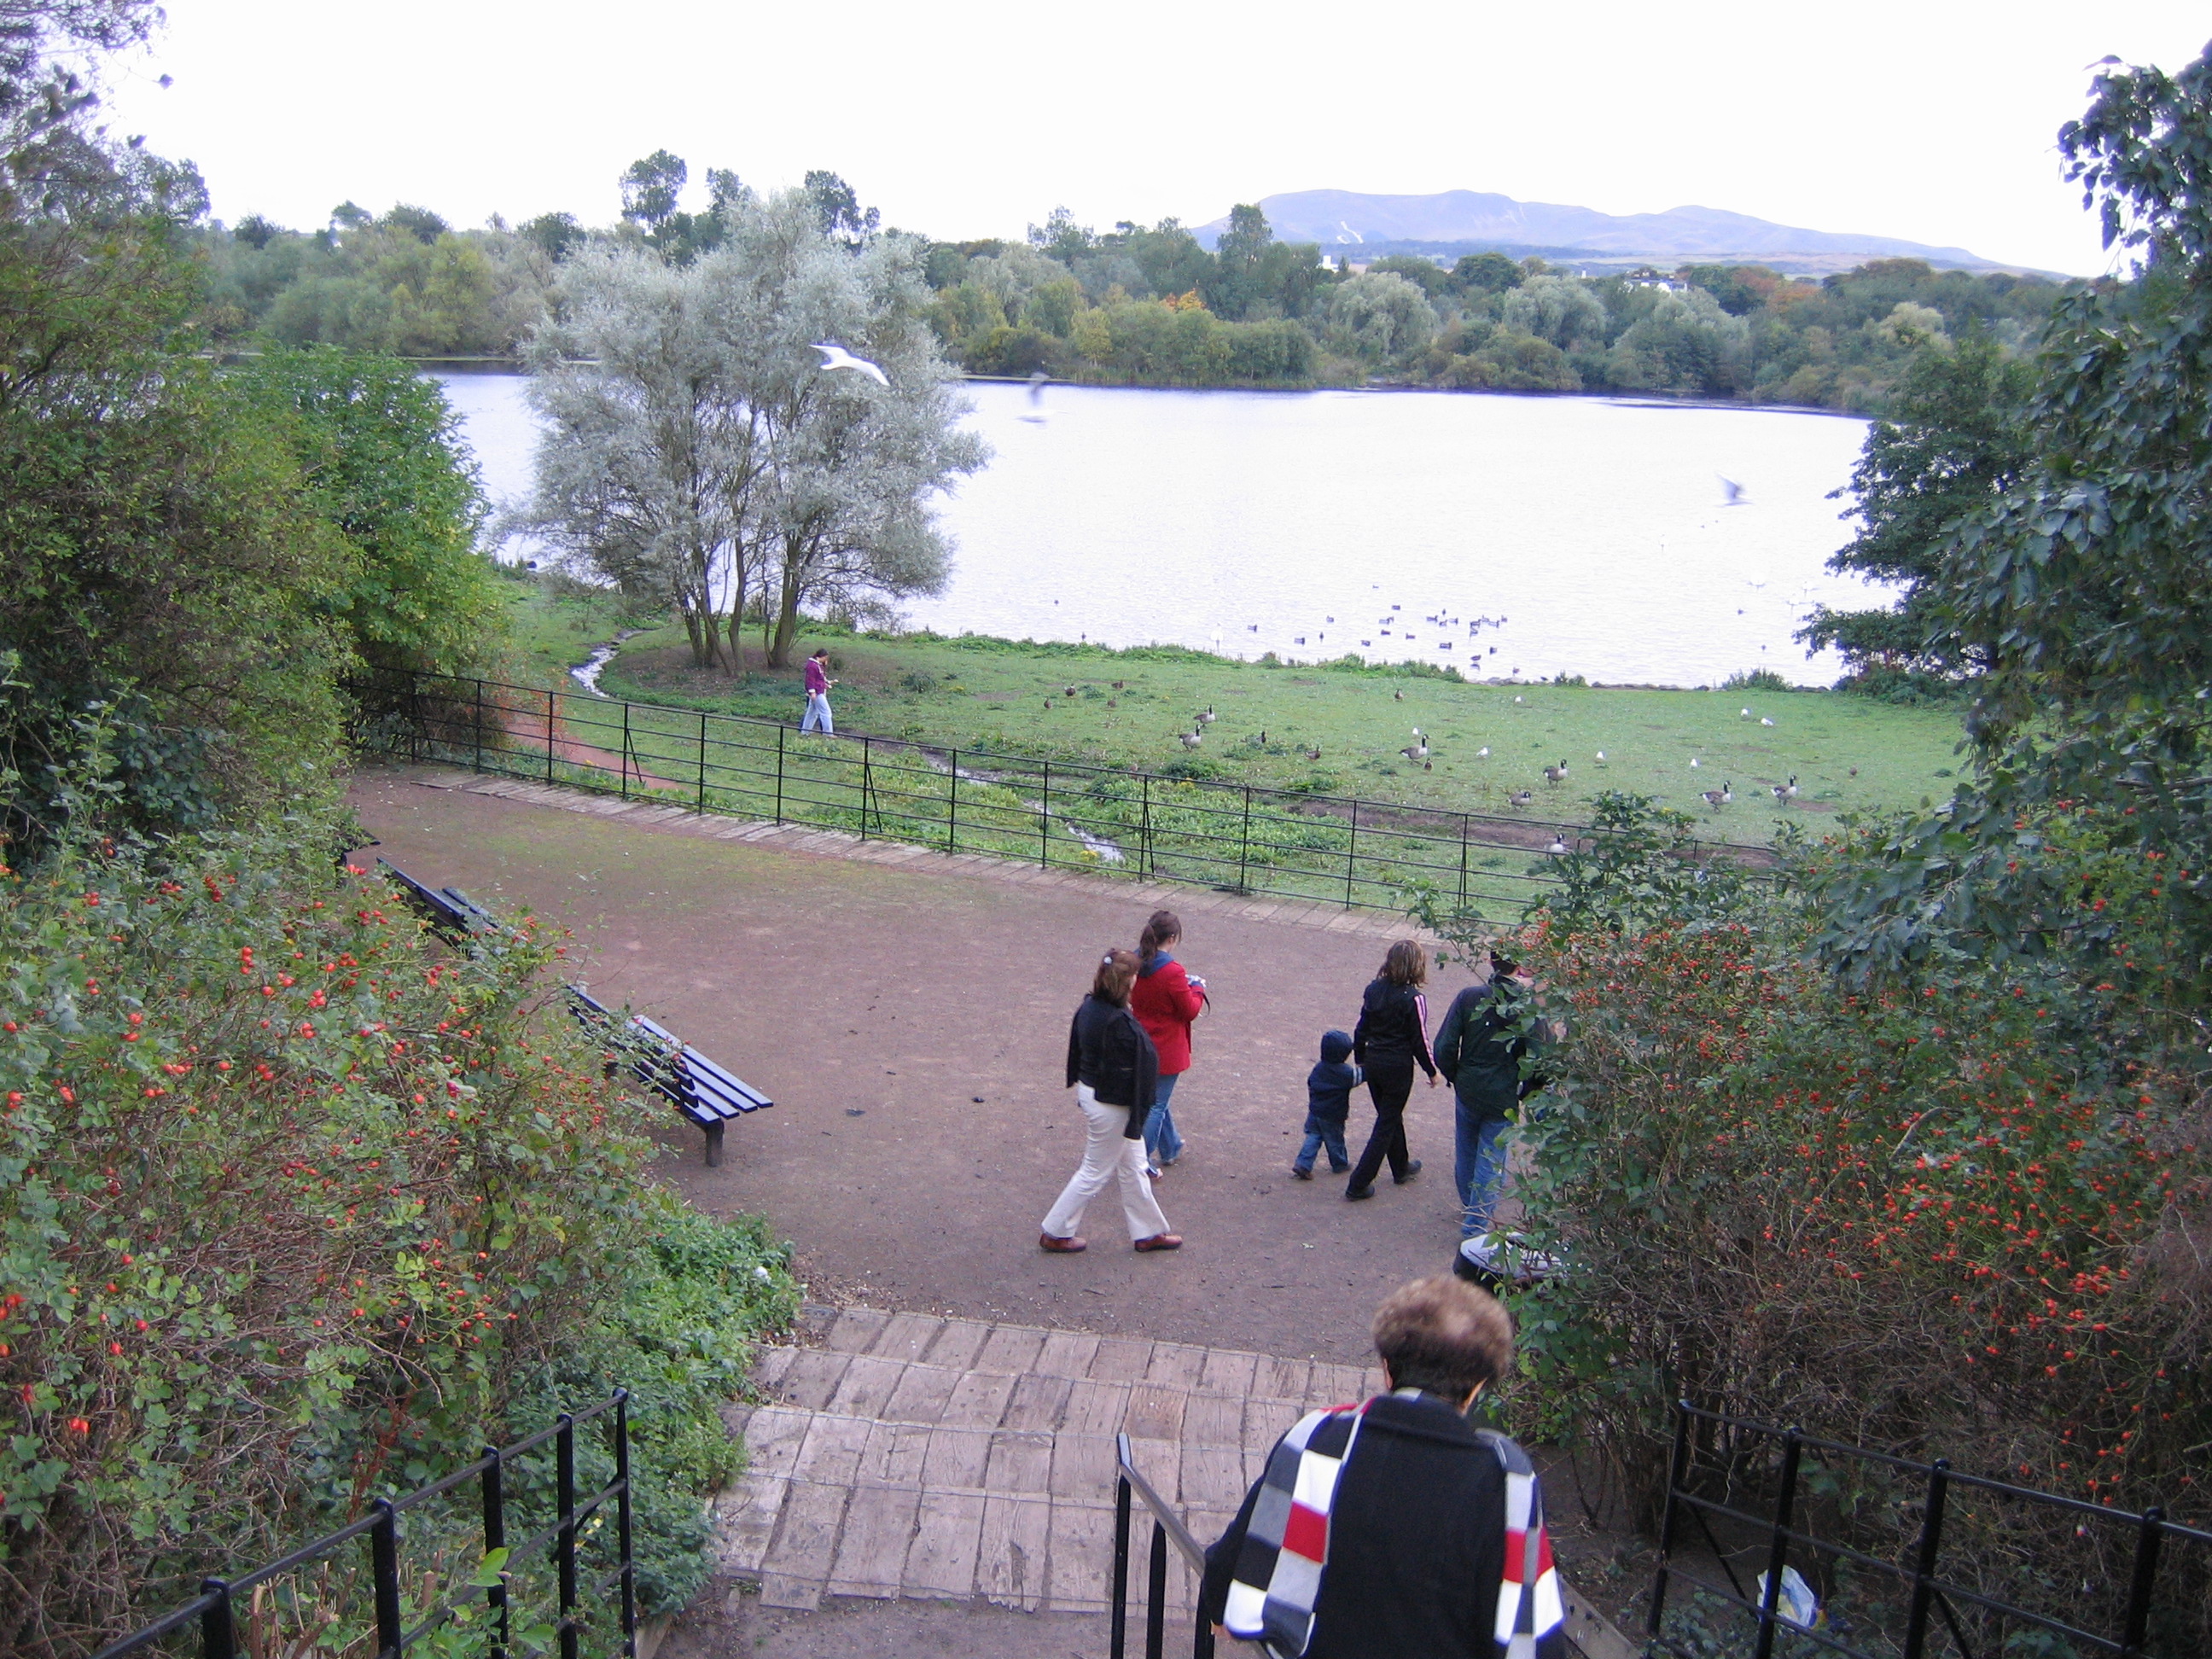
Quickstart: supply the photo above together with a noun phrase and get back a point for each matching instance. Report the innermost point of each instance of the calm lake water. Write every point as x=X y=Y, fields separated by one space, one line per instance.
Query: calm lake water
x=1509 y=536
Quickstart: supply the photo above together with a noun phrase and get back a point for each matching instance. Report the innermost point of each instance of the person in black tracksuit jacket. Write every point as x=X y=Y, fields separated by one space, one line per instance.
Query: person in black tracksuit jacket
x=1391 y=1038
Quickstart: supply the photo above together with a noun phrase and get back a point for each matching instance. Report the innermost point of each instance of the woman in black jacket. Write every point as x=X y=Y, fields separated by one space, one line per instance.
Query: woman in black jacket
x=1391 y=1038
x=1114 y=1071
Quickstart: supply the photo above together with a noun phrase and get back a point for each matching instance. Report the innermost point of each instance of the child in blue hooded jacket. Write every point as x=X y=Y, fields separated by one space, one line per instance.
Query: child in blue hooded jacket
x=1328 y=1103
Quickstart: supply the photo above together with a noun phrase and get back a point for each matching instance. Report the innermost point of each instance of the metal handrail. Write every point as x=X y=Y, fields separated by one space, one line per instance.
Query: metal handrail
x=1168 y=1528
x=215 y=1608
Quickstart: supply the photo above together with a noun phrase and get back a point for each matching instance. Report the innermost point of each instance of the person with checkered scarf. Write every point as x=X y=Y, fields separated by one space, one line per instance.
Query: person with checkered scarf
x=1396 y=1530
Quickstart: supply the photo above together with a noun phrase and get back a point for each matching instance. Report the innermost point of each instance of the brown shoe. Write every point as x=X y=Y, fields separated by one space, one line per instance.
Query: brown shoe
x=1061 y=1246
x=1161 y=1242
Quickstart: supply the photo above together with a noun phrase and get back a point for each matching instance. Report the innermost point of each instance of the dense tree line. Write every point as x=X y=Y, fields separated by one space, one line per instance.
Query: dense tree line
x=1152 y=306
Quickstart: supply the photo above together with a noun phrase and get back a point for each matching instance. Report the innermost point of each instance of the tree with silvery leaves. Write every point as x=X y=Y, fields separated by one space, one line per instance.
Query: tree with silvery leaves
x=697 y=453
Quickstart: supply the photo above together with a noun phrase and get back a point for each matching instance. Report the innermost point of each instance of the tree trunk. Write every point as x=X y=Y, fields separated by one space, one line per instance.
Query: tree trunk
x=786 y=618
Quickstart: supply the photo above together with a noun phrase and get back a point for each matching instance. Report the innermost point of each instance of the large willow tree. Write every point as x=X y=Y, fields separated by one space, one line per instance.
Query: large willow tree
x=696 y=451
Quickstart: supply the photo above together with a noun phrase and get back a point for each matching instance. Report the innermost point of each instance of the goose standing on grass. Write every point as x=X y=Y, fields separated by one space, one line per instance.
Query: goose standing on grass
x=1558 y=846
x=1720 y=797
x=1556 y=775
x=1190 y=739
x=1418 y=750
x=1792 y=786
x=1779 y=791
x=1208 y=717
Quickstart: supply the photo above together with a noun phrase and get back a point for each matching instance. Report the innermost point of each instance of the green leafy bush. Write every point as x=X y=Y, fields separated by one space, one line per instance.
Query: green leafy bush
x=304 y=1208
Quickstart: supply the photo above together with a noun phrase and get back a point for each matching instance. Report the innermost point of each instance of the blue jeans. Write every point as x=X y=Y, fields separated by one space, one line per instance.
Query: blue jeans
x=818 y=714
x=1324 y=1132
x=1162 y=1145
x=1480 y=1168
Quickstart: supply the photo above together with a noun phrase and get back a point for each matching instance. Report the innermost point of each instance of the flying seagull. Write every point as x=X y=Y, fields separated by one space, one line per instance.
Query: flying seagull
x=1735 y=490
x=836 y=356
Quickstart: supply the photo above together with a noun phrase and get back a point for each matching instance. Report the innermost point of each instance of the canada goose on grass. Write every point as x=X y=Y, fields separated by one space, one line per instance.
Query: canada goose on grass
x=1779 y=791
x=1521 y=797
x=1790 y=789
x=1398 y=696
x=1191 y=739
x=1556 y=775
x=1419 y=749
x=1720 y=797
x=1558 y=846
x=1313 y=754
x=1208 y=718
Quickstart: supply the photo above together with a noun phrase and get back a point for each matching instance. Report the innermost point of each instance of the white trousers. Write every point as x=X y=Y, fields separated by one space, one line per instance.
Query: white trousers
x=1109 y=1155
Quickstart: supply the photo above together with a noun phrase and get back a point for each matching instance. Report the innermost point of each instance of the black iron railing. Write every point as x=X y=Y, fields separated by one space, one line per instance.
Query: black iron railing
x=1167 y=1529
x=215 y=1610
x=1952 y=1560
x=1155 y=826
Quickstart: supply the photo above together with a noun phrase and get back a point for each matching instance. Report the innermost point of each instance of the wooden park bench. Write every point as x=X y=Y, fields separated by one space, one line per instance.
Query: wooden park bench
x=452 y=914
x=710 y=1096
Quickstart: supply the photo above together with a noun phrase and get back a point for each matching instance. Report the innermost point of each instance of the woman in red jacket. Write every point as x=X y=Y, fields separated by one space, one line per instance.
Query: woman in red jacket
x=1166 y=1000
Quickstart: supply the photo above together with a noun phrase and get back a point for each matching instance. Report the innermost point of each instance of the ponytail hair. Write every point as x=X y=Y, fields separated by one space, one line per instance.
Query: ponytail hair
x=1164 y=929
x=1117 y=972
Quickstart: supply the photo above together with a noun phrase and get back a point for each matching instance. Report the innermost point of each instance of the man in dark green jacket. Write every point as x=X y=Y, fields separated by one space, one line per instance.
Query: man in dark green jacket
x=1479 y=1050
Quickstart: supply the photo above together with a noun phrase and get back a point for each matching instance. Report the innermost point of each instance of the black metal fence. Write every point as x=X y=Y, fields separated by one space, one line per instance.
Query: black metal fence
x=1167 y=1529
x=604 y=1608
x=1152 y=825
x=1906 y=1559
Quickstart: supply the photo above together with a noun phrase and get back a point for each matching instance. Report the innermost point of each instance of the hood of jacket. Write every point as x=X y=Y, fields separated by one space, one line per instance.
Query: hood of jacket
x=1336 y=1046
x=1146 y=967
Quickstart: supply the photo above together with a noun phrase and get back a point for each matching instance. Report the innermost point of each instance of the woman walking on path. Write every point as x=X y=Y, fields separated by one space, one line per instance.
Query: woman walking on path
x=1166 y=1000
x=1391 y=1038
x=818 y=683
x=1114 y=1072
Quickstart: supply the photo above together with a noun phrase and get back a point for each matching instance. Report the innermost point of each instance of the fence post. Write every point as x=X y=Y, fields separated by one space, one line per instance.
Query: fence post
x=1924 y=1557
x=1778 y=1548
x=1144 y=832
x=625 y=756
x=565 y=1538
x=2133 y=1629
x=1676 y=1467
x=1352 y=853
x=702 y=760
x=1156 y=1610
x=952 y=808
x=384 y=1564
x=552 y=721
x=1463 y=861
x=867 y=788
x=780 y=729
x=1044 y=821
x=623 y=1523
x=218 y=1634
x=1118 y=1637
x=1245 y=846
x=495 y=1534
x=480 y=727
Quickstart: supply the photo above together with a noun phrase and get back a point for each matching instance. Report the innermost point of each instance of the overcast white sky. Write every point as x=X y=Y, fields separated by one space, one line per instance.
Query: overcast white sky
x=1933 y=119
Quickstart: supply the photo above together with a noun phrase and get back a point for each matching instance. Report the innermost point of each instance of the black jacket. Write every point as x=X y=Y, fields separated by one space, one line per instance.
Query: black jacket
x=1480 y=1052
x=1108 y=1050
x=1392 y=1033
x=1416 y=1541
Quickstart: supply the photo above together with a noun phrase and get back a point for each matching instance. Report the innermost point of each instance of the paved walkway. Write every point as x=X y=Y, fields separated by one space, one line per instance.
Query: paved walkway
x=840 y=844
x=905 y=1454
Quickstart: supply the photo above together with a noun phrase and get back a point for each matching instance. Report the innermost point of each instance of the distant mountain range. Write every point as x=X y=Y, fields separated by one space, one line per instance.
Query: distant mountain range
x=1349 y=222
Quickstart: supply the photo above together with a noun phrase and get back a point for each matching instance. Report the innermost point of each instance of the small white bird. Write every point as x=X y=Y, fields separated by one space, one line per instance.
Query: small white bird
x=1743 y=713
x=836 y=356
x=1764 y=721
x=1695 y=761
x=1601 y=757
x=1483 y=753
x=1517 y=700
x=1733 y=490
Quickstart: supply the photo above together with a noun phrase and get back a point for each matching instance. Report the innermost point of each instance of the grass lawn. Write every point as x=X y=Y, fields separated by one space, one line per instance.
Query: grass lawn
x=1128 y=709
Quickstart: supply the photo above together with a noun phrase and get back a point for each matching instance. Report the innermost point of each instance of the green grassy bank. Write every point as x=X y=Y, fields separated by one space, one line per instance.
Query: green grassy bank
x=1129 y=708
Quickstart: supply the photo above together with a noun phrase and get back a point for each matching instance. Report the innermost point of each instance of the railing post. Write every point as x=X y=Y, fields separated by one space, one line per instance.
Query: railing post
x=867 y=788
x=384 y=1565
x=1144 y=830
x=626 y=754
x=1118 y=1636
x=702 y=760
x=479 y=728
x=622 y=1534
x=495 y=1538
x=552 y=723
x=565 y=1538
x=1044 y=821
x=1778 y=1548
x=218 y=1631
x=1462 y=862
x=1352 y=853
x=2140 y=1585
x=1245 y=846
x=1156 y=1612
x=952 y=808
x=1677 y=1466
x=1923 y=1558
x=780 y=729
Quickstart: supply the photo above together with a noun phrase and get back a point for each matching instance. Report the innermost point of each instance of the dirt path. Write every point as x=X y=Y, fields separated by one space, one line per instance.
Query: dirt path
x=526 y=727
x=911 y=1025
